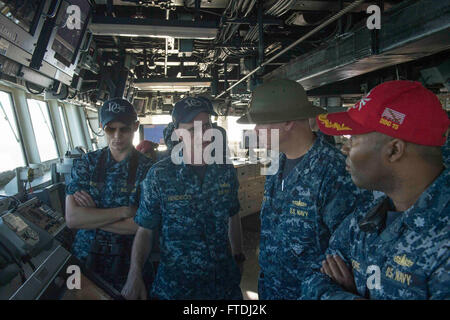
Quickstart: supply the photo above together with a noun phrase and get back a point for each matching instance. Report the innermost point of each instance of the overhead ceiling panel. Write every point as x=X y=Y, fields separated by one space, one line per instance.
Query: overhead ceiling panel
x=411 y=31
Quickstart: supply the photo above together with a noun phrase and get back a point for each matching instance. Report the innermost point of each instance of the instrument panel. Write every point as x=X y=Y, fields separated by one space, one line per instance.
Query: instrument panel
x=42 y=216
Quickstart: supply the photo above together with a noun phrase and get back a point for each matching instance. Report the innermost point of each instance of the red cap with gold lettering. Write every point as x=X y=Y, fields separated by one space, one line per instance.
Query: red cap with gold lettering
x=400 y=109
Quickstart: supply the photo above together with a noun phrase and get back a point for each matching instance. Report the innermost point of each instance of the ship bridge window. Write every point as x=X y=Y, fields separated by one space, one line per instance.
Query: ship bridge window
x=10 y=143
x=91 y=135
x=235 y=133
x=43 y=131
x=62 y=115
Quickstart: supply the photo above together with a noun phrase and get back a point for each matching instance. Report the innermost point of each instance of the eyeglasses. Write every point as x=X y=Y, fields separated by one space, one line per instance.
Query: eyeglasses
x=111 y=131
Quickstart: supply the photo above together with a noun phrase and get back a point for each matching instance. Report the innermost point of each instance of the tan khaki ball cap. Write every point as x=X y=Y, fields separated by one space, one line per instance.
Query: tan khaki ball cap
x=277 y=101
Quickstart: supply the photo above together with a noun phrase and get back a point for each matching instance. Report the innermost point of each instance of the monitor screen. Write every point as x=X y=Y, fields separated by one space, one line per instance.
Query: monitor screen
x=23 y=13
x=140 y=105
x=154 y=132
x=71 y=22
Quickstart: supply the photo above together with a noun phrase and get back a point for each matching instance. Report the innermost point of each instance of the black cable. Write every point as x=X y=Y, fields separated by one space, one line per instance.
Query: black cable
x=27 y=85
x=90 y=127
x=27 y=259
x=32 y=265
x=74 y=95
x=200 y=10
x=17 y=202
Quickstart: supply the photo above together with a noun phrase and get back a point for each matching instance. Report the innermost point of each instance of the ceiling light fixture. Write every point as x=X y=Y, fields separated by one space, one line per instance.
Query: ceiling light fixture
x=162 y=86
x=126 y=27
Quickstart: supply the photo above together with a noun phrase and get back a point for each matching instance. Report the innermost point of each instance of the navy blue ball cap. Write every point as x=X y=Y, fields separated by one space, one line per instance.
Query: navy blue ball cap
x=188 y=108
x=117 y=109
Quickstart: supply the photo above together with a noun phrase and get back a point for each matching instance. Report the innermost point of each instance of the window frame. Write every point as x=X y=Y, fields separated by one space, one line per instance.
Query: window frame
x=52 y=126
x=65 y=124
x=8 y=91
x=93 y=136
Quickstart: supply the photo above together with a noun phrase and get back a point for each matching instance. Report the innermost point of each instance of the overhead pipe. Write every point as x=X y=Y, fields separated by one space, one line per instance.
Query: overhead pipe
x=260 y=33
x=225 y=78
x=306 y=36
x=341 y=6
x=167 y=47
x=197 y=10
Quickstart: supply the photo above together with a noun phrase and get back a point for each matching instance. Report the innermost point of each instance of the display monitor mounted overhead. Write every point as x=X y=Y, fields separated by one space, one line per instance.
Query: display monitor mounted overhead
x=140 y=105
x=61 y=39
x=25 y=14
x=71 y=24
x=21 y=23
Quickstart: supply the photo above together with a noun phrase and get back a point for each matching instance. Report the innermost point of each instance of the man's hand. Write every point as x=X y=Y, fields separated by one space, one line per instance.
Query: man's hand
x=84 y=199
x=128 y=212
x=134 y=288
x=337 y=270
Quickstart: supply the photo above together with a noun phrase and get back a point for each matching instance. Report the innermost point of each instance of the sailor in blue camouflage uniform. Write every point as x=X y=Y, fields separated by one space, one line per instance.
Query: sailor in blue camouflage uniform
x=317 y=132
x=103 y=195
x=307 y=198
x=167 y=136
x=171 y=144
x=446 y=147
x=193 y=207
x=397 y=248
x=446 y=152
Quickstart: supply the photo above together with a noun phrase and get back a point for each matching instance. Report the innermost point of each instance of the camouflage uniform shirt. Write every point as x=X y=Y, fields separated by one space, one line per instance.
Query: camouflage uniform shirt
x=446 y=152
x=192 y=220
x=298 y=220
x=410 y=257
x=112 y=194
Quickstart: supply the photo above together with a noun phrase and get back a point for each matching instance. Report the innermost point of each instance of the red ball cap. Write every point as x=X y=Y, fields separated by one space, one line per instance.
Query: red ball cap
x=400 y=109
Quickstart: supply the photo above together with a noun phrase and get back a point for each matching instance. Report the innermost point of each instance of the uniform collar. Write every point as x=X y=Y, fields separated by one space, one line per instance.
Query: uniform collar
x=318 y=143
x=427 y=209
x=419 y=217
x=187 y=173
x=183 y=171
x=275 y=180
x=110 y=160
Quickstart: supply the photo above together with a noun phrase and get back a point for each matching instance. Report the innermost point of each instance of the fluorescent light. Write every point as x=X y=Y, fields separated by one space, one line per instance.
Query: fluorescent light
x=171 y=86
x=176 y=63
x=153 y=119
x=168 y=88
x=152 y=31
x=161 y=119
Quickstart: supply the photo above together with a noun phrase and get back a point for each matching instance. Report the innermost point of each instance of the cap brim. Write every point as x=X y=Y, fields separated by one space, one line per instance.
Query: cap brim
x=126 y=120
x=195 y=113
x=308 y=112
x=338 y=124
